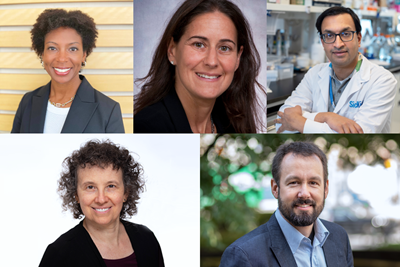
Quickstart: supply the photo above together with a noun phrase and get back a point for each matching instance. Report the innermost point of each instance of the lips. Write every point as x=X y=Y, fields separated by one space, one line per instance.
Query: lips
x=102 y=209
x=208 y=76
x=62 y=71
x=339 y=53
x=303 y=204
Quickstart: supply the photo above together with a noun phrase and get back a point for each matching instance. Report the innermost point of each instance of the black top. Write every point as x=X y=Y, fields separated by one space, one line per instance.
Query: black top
x=168 y=116
x=76 y=248
x=129 y=261
x=90 y=112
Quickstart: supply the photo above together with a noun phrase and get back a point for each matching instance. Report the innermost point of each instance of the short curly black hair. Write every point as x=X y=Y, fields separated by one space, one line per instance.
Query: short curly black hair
x=52 y=19
x=101 y=154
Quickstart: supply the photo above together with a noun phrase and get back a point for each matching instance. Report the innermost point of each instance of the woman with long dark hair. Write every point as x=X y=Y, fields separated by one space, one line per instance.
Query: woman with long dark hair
x=203 y=75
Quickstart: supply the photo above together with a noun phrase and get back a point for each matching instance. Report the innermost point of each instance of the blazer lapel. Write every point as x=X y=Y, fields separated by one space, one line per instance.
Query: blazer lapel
x=279 y=246
x=331 y=253
x=39 y=108
x=81 y=110
x=177 y=112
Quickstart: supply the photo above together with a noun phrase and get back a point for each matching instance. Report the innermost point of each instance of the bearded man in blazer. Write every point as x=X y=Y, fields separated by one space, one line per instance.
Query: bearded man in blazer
x=294 y=235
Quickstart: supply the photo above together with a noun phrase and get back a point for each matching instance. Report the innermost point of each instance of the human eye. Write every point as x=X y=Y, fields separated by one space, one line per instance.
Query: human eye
x=198 y=45
x=90 y=187
x=346 y=34
x=111 y=186
x=74 y=49
x=329 y=36
x=51 y=48
x=225 y=48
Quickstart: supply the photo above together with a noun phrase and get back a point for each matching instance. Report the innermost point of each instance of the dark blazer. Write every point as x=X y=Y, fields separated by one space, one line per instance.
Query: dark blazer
x=266 y=246
x=90 y=112
x=76 y=248
x=168 y=116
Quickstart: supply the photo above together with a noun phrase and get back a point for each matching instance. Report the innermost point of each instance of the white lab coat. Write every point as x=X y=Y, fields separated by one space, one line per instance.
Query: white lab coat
x=372 y=85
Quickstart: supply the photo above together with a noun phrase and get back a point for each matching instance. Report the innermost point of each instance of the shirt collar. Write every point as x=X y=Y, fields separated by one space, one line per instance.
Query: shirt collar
x=294 y=237
x=356 y=69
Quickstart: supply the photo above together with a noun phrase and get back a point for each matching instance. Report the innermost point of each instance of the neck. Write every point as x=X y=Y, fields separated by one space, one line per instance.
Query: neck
x=198 y=111
x=109 y=234
x=304 y=230
x=344 y=72
x=62 y=92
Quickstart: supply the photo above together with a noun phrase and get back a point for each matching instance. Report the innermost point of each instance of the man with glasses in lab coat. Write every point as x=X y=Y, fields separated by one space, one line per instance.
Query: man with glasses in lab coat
x=348 y=95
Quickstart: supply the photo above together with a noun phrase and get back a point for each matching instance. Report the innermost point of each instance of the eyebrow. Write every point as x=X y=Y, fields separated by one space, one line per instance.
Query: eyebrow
x=206 y=39
x=343 y=30
x=294 y=177
x=56 y=43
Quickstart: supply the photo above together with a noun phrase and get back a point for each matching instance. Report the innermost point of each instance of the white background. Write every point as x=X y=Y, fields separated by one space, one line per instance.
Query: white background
x=32 y=216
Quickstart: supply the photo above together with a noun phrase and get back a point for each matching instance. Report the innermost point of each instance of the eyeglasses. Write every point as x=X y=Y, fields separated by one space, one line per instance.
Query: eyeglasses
x=330 y=38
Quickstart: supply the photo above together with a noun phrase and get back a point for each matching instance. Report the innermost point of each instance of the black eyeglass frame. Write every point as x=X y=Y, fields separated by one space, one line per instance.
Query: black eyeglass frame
x=336 y=34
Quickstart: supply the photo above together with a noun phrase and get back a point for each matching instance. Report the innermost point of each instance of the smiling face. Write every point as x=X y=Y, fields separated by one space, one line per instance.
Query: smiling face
x=63 y=55
x=100 y=193
x=341 y=54
x=301 y=193
x=206 y=57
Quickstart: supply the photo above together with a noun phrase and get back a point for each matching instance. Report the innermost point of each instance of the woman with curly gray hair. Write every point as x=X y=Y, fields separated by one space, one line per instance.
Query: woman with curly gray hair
x=101 y=182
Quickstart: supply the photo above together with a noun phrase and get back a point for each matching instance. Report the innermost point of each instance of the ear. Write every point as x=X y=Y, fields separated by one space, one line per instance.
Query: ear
x=171 y=51
x=326 y=189
x=359 y=39
x=238 y=58
x=77 y=198
x=274 y=188
x=84 y=56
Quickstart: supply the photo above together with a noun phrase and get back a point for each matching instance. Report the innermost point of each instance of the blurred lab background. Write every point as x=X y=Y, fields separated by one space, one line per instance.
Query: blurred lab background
x=364 y=191
x=293 y=44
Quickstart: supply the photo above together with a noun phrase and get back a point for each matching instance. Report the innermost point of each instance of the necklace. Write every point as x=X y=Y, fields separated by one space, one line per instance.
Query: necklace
x=212 y=126
x=59 y=105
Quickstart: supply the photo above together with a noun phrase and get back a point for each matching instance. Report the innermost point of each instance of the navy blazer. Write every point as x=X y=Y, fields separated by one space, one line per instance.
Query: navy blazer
x=90 y=112
x=169 y=116
x=266 y=246
x=76 y=248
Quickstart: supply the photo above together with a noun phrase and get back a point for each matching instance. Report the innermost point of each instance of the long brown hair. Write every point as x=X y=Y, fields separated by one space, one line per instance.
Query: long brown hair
x=240 y=99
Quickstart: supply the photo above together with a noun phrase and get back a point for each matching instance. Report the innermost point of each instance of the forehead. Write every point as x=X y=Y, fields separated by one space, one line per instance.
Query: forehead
x=297 y=166
x=213 y=24
x=64 y=34
x=98 y=174
x=337 y=23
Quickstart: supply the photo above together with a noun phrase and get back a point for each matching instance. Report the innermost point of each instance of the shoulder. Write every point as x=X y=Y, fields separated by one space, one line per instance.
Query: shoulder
x=375 y=71
x=252 y=239
x=153 y=119
x=138 y=230
x=68 y=238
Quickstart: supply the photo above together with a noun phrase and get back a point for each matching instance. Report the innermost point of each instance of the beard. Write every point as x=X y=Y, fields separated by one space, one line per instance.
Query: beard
x=304 y=218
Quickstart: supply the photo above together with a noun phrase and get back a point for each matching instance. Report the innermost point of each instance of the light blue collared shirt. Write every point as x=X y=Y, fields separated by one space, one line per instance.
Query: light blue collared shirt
x=305 y=254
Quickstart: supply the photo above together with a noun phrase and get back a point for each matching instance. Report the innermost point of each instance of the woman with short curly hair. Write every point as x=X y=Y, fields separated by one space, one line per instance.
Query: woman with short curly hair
x=68 y=103
x=101 y=182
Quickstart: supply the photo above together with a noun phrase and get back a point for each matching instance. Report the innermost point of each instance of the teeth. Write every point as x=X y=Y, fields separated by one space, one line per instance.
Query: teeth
x=62 y=70
x=304 y=206
x=206 y=76
x=101 y=210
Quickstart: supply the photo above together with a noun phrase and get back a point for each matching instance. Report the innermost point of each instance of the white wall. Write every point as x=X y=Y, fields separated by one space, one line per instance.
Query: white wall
x=32 y=216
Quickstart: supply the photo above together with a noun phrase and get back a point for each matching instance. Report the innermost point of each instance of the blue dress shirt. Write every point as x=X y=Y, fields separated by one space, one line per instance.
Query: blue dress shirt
x=305 y=253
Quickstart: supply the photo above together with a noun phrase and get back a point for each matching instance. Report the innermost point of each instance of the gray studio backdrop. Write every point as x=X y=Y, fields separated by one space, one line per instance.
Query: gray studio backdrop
x=151 y=18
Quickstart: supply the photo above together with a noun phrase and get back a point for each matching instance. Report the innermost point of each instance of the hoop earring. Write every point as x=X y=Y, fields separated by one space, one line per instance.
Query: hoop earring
x=84 y=63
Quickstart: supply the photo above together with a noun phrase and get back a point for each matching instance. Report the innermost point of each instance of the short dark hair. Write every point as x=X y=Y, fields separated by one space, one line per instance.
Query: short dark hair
x=101 y=154
x=52 y=19
x=304 y=149
x=337 y=10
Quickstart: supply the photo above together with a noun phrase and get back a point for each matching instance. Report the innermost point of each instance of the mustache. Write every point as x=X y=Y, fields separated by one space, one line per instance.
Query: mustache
x=303 y=202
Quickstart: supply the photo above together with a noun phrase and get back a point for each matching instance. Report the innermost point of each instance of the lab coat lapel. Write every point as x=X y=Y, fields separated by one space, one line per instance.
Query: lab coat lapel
x=279 y=246
x=331 y=253
x=39 y=108
x=82 y=109
x=323 y=84
x=354 y=85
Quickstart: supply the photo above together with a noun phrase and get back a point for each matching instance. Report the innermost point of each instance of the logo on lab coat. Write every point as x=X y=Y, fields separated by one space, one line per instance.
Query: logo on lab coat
x=356 y=104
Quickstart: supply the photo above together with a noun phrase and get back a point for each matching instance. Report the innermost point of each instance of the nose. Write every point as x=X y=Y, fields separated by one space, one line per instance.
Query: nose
x=338 y=42
x=211 y=59
x=304 y=192
x=101 y=197
x=62 y=55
